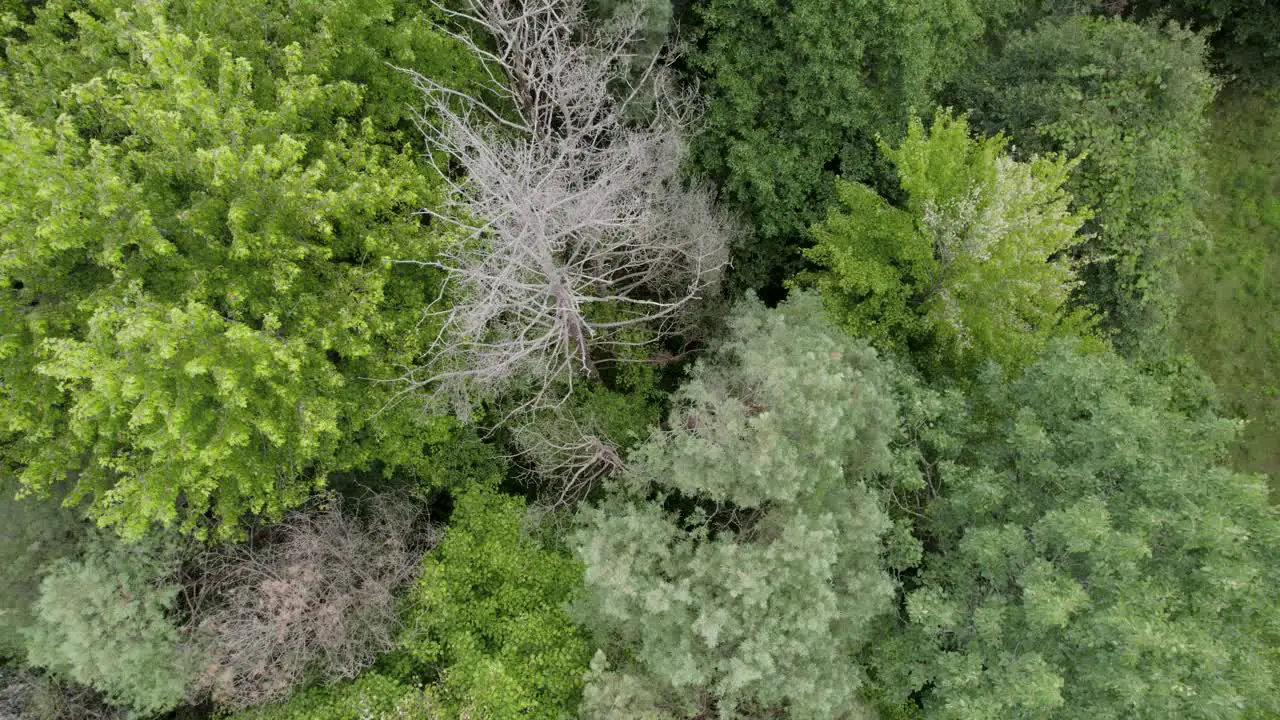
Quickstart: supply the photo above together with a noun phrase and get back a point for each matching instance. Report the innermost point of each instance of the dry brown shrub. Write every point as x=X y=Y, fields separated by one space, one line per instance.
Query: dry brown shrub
x=312 y=598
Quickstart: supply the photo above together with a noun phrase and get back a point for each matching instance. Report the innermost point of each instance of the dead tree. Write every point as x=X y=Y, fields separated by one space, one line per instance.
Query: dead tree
x=578 y=234
x=318 y=598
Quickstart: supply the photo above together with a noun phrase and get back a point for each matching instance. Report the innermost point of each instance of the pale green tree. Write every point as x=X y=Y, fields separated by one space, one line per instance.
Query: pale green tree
x=37 y=531
x=106 y=619
x=735 y=565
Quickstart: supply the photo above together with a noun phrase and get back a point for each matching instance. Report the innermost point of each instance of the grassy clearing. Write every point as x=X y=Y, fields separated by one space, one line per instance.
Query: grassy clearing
x=1231 y=281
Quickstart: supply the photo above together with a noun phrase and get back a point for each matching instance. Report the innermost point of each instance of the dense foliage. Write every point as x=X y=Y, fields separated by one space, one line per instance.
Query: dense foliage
x=196 y=235
x=370 y=359
x=486 y=616
x=799 y=92
x=755 y=595
x=1087 y=557
x=369 y=696
x=974 y=268
x=1228 y=277
x=1129 y=99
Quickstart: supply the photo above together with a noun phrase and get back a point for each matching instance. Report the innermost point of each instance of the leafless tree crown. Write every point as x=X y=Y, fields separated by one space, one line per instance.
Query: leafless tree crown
x=579 y=235
x=319 y=598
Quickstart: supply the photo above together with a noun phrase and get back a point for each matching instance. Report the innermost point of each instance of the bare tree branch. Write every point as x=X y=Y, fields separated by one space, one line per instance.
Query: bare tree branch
x=577 y=226
x=569 y=459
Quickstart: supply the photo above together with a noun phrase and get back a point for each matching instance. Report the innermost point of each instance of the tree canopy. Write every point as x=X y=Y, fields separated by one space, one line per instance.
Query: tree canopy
x=660 y=359
x=1087 y=555
x=1130 y=100
x=197 y=231
x=973 y=268
x=798 y=94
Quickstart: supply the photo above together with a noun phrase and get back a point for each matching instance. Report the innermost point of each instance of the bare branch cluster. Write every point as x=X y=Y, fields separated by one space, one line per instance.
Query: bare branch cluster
x=569 y=457
x=318 y=597
x=580 y=235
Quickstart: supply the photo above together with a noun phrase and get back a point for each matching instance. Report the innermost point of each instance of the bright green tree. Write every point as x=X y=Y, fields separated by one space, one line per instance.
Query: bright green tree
x=104 y=620
x=1131 y=99
x=736 y=564
x=371 y=696
x=200 y=204
x=798 y=93
x=1087 y=555
x=486 y=617
x=973 y=268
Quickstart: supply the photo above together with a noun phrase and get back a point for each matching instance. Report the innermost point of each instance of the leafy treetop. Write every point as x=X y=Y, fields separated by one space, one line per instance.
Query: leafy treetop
x=1087 y=556
x=194 y=274
x=972 y=269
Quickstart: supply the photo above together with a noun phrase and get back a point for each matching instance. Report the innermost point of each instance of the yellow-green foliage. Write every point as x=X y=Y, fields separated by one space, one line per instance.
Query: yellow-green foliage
x=973 y=268
x=369 y=697
x=486 y=619
x=194 y=251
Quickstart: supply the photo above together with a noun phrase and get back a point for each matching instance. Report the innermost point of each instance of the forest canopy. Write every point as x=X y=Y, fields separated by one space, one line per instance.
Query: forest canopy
x=648 y=359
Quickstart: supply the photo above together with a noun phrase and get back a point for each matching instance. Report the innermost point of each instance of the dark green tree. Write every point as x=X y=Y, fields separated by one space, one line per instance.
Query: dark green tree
x=1245 y=33
x=798 y=93
x=1130 y=99
x=201 y=201
x=1087 y=555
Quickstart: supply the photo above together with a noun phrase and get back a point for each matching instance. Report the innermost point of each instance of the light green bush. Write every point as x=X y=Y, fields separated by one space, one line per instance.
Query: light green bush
x=104 y=619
